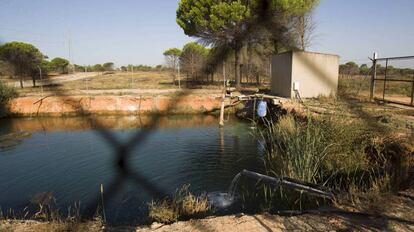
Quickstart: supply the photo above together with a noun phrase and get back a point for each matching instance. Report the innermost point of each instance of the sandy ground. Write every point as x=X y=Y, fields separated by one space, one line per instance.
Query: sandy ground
x=56 y=80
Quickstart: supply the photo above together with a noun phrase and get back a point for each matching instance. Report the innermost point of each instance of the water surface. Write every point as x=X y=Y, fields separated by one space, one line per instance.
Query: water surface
x=68 y=157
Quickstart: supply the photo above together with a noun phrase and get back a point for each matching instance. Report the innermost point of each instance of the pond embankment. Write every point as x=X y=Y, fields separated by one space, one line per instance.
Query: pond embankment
x=81 y=105
x=395 y=214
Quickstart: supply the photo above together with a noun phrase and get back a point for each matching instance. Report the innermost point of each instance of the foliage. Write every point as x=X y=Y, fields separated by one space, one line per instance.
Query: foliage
x=296 y=150
x=230 y=23
x=24 y=57
x=321 y=150
x=183 y=205
x=173 y=52
x=59 y=64
x=172 y=59
x=350 y=68
x=108 y=66
x=97 y=68
x=6 y=93
x=193 y=59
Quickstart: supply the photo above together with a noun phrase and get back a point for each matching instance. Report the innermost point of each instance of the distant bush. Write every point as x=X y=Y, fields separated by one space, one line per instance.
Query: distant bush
x=6 y=93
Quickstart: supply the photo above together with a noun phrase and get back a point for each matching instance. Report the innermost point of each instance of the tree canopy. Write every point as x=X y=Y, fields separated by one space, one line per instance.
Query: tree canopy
x=232 y=22
x=173 y=52
x=59 y=64
x=108 y=66
x=24 y=57
x=193 y=58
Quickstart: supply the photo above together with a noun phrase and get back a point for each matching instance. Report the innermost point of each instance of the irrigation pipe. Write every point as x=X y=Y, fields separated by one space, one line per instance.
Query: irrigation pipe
x=289 y=184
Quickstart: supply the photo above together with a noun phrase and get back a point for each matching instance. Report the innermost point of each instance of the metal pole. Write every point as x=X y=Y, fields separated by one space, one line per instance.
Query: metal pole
x=41 y=79
x=385 y=80
x=412 y=90
x=374 y=76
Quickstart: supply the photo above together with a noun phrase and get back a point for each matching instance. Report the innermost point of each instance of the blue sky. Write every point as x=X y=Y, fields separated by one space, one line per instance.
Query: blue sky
x=138 y=31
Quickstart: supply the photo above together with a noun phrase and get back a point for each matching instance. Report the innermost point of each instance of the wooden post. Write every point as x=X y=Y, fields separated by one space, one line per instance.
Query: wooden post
x=224 y=74
x=221 y=123
x=374 y=76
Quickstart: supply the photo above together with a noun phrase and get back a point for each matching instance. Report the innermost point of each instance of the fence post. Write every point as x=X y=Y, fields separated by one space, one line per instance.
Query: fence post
x=385 y=80
x=412 y=91
x=374 y=76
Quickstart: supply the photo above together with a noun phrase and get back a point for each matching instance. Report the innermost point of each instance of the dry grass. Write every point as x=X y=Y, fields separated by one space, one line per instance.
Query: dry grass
x=183 y=205
x=120 y=82
x=124 y=80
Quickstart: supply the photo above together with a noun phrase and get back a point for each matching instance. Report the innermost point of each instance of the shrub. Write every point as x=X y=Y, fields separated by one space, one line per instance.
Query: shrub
x=6 y=93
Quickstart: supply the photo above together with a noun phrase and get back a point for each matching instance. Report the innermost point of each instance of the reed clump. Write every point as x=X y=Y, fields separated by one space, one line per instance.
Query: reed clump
x=331 y=151
x=183 y=205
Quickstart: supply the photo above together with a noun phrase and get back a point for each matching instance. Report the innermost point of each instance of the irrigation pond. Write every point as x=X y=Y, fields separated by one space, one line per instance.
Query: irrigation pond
x=69 y=159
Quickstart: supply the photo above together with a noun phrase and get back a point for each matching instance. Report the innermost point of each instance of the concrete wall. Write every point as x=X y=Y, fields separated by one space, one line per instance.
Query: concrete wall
x=281 y=75
x=316 y=73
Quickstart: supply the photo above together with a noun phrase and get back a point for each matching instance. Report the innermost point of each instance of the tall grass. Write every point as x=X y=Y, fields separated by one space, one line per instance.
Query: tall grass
x=337 y=152
x=327 y=150
x=296 y=150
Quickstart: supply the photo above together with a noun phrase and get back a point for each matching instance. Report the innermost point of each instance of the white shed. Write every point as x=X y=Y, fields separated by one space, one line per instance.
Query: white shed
x=310 y=74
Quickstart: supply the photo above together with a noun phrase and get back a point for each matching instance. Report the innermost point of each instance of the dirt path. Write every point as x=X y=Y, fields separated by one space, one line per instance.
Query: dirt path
x=58 y=79
x=69 y=77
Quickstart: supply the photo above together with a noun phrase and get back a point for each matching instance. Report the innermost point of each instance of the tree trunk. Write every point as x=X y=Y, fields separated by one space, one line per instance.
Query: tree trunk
x=237 y=68
x=34 y=81
x=21 y=82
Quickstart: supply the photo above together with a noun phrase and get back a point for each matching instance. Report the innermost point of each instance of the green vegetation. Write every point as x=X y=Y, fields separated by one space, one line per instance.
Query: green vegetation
x=231 y=23
x=296 y=150
x=183 y=205
x=355 y=156
x=6 y=93
x=59 y=65
x=108 y=66
x=172 y=59
x=25 y=58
